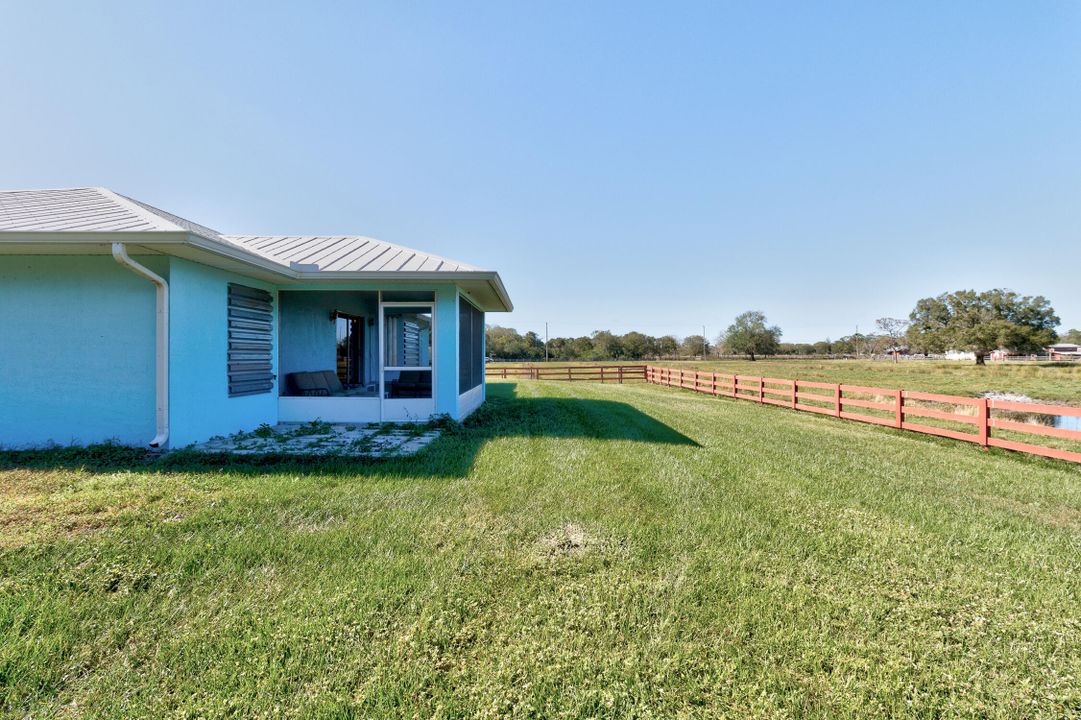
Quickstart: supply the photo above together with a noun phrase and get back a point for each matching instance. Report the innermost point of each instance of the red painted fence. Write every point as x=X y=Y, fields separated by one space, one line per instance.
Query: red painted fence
x=982 y=421
x=902 y=409
x=596 y=373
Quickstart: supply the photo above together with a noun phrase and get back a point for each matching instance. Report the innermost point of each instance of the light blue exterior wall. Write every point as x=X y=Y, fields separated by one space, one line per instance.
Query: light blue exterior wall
x=446 y=351
x=77 y=353
x=76 y=350
x=200 y=406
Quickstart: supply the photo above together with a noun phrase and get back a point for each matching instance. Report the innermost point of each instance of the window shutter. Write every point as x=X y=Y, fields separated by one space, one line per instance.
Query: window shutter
x=251 y=323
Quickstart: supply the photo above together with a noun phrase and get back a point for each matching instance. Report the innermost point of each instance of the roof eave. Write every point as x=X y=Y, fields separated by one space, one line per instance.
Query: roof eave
x=151 y=238
x=143 y=237
x=489 y=276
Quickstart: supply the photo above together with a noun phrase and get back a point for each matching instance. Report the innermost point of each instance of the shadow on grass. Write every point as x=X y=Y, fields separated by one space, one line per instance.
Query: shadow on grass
x=451 y=455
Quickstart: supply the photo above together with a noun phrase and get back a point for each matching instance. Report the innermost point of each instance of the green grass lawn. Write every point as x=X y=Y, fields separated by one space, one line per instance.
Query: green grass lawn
x=1043 y=381
x=575 y=550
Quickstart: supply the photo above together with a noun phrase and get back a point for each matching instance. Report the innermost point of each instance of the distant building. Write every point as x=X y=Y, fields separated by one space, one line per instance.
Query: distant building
x=1064 y=351
x=996 y=355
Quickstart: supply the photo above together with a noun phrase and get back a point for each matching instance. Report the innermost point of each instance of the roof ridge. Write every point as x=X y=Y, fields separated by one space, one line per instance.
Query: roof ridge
x=138 y=209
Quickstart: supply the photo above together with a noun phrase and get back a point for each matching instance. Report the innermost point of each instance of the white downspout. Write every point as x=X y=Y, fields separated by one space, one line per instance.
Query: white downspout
x=120 y=254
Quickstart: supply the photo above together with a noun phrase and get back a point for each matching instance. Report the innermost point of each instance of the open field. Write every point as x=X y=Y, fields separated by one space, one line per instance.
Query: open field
x=575 y=550
x=1060 y=382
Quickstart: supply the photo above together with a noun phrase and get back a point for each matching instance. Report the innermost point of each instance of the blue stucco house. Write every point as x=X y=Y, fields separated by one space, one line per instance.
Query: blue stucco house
x=119 y=321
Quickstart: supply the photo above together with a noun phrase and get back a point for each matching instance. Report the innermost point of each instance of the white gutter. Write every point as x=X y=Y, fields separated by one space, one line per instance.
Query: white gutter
x=120 y=254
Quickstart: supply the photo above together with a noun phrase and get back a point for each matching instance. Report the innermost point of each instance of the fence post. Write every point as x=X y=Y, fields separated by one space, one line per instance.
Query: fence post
x=984 y=410
x=837 y=400
x=620 y=374
x=795 y=385
x=899 y=408
x=714 y=387
x=761 y=390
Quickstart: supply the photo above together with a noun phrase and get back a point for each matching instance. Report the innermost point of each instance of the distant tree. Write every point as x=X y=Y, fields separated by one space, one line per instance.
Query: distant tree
x=667 y=346
x=860 y=343
x=636 y=346
x=580 y=348
x=693 y=345
x=982 y=321
x=1072 y=336
x=823 y=347
x=749 y=335
x=894 y=330
x=795 y=349
x=605 y=346
x=844 y=345
x=533 y=346
x=503 y=343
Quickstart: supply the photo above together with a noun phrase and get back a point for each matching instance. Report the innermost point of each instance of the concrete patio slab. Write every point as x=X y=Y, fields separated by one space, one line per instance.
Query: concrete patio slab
x=320 y=438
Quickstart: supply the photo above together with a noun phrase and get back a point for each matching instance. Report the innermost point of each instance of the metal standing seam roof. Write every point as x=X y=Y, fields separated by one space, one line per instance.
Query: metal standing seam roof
x=94 y=209
x=345 y=253
x=77 y=210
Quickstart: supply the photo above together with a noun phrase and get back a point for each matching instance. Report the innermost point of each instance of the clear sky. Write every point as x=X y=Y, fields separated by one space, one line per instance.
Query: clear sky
x=624 y=166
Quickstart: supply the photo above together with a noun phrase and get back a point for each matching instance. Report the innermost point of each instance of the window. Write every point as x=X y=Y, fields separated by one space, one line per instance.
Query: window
x=349 y=332
x=407 y=352
x=470 y=346
x=251 y=322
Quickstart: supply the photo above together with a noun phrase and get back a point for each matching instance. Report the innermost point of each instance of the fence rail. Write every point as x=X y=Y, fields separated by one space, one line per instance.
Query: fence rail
x=979 y=417
x=980 y=421
x=595 y=373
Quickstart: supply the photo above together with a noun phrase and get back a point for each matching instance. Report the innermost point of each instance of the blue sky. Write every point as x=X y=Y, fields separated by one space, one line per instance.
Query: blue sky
x=627 y=166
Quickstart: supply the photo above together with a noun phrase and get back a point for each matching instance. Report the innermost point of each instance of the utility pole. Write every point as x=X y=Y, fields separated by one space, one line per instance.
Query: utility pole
x=703 y=342
x=545 y=342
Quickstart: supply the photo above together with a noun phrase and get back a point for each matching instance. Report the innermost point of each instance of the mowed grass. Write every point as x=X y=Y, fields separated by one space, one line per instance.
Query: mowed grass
x=1058 y=381
x=576 y=550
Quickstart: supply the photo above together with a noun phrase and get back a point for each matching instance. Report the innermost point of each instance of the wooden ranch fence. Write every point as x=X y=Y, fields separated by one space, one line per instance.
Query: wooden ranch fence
x=596 y=373
x=890 y=407
x=977 y=420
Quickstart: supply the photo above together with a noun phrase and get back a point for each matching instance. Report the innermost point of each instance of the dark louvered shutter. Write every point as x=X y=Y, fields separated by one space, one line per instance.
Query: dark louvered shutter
x=251 y=321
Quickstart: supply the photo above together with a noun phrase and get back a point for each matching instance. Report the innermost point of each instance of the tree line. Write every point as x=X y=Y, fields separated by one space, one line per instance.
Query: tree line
x=966 y=320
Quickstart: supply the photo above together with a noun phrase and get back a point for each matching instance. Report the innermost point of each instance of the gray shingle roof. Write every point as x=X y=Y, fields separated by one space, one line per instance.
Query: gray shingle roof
x=92 y=210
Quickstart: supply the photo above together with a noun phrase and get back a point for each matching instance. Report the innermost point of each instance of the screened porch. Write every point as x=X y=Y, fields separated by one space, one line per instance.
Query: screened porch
x=372 y=356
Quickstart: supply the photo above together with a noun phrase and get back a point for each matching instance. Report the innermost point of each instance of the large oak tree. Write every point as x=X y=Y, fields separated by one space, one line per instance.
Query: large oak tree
x=749 y=335
x=981 y=322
